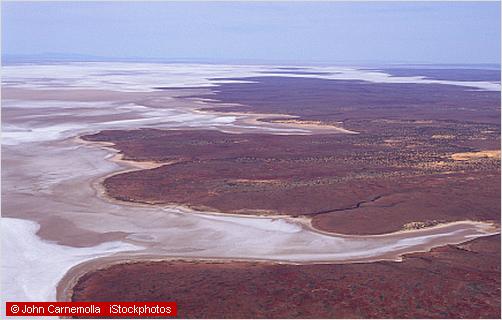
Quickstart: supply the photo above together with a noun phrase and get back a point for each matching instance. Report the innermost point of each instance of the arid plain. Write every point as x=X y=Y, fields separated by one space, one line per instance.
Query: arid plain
x=325 y=191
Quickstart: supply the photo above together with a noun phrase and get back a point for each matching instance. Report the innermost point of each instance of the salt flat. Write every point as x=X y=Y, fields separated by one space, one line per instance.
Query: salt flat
x=31 y=268
x=49 y=175
x=141 y=77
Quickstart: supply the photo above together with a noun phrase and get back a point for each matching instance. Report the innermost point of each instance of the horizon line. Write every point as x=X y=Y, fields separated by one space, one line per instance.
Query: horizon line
x=8 y=58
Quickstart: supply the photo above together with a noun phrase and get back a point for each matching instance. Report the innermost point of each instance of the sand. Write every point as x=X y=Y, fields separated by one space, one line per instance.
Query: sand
x=466 y=156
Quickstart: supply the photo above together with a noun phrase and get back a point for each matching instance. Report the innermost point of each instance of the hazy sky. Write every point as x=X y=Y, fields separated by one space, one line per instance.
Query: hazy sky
x=425 y=32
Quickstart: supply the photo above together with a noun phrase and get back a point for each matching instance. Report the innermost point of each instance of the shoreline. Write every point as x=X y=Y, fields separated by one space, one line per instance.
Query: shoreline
x=304 y=221
x=55 y=180
x=276 y=120
x=64 y=290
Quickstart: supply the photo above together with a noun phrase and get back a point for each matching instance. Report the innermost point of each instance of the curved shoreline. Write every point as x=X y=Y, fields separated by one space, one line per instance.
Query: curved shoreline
x=304 y=221
x=55 y=185
x=64 y=290
x=65 y=286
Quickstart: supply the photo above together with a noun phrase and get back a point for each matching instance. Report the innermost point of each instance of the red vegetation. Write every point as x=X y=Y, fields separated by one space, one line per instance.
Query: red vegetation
x=450 y=282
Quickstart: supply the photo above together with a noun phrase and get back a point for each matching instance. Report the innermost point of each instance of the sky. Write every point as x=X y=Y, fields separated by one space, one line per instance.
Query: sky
x=390 y=32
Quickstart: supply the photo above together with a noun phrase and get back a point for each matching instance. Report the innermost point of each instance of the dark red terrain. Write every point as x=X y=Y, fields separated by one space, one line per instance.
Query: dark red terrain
x=460 y=281
x=346 y=183
x=356 y=103
x=399 y=172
